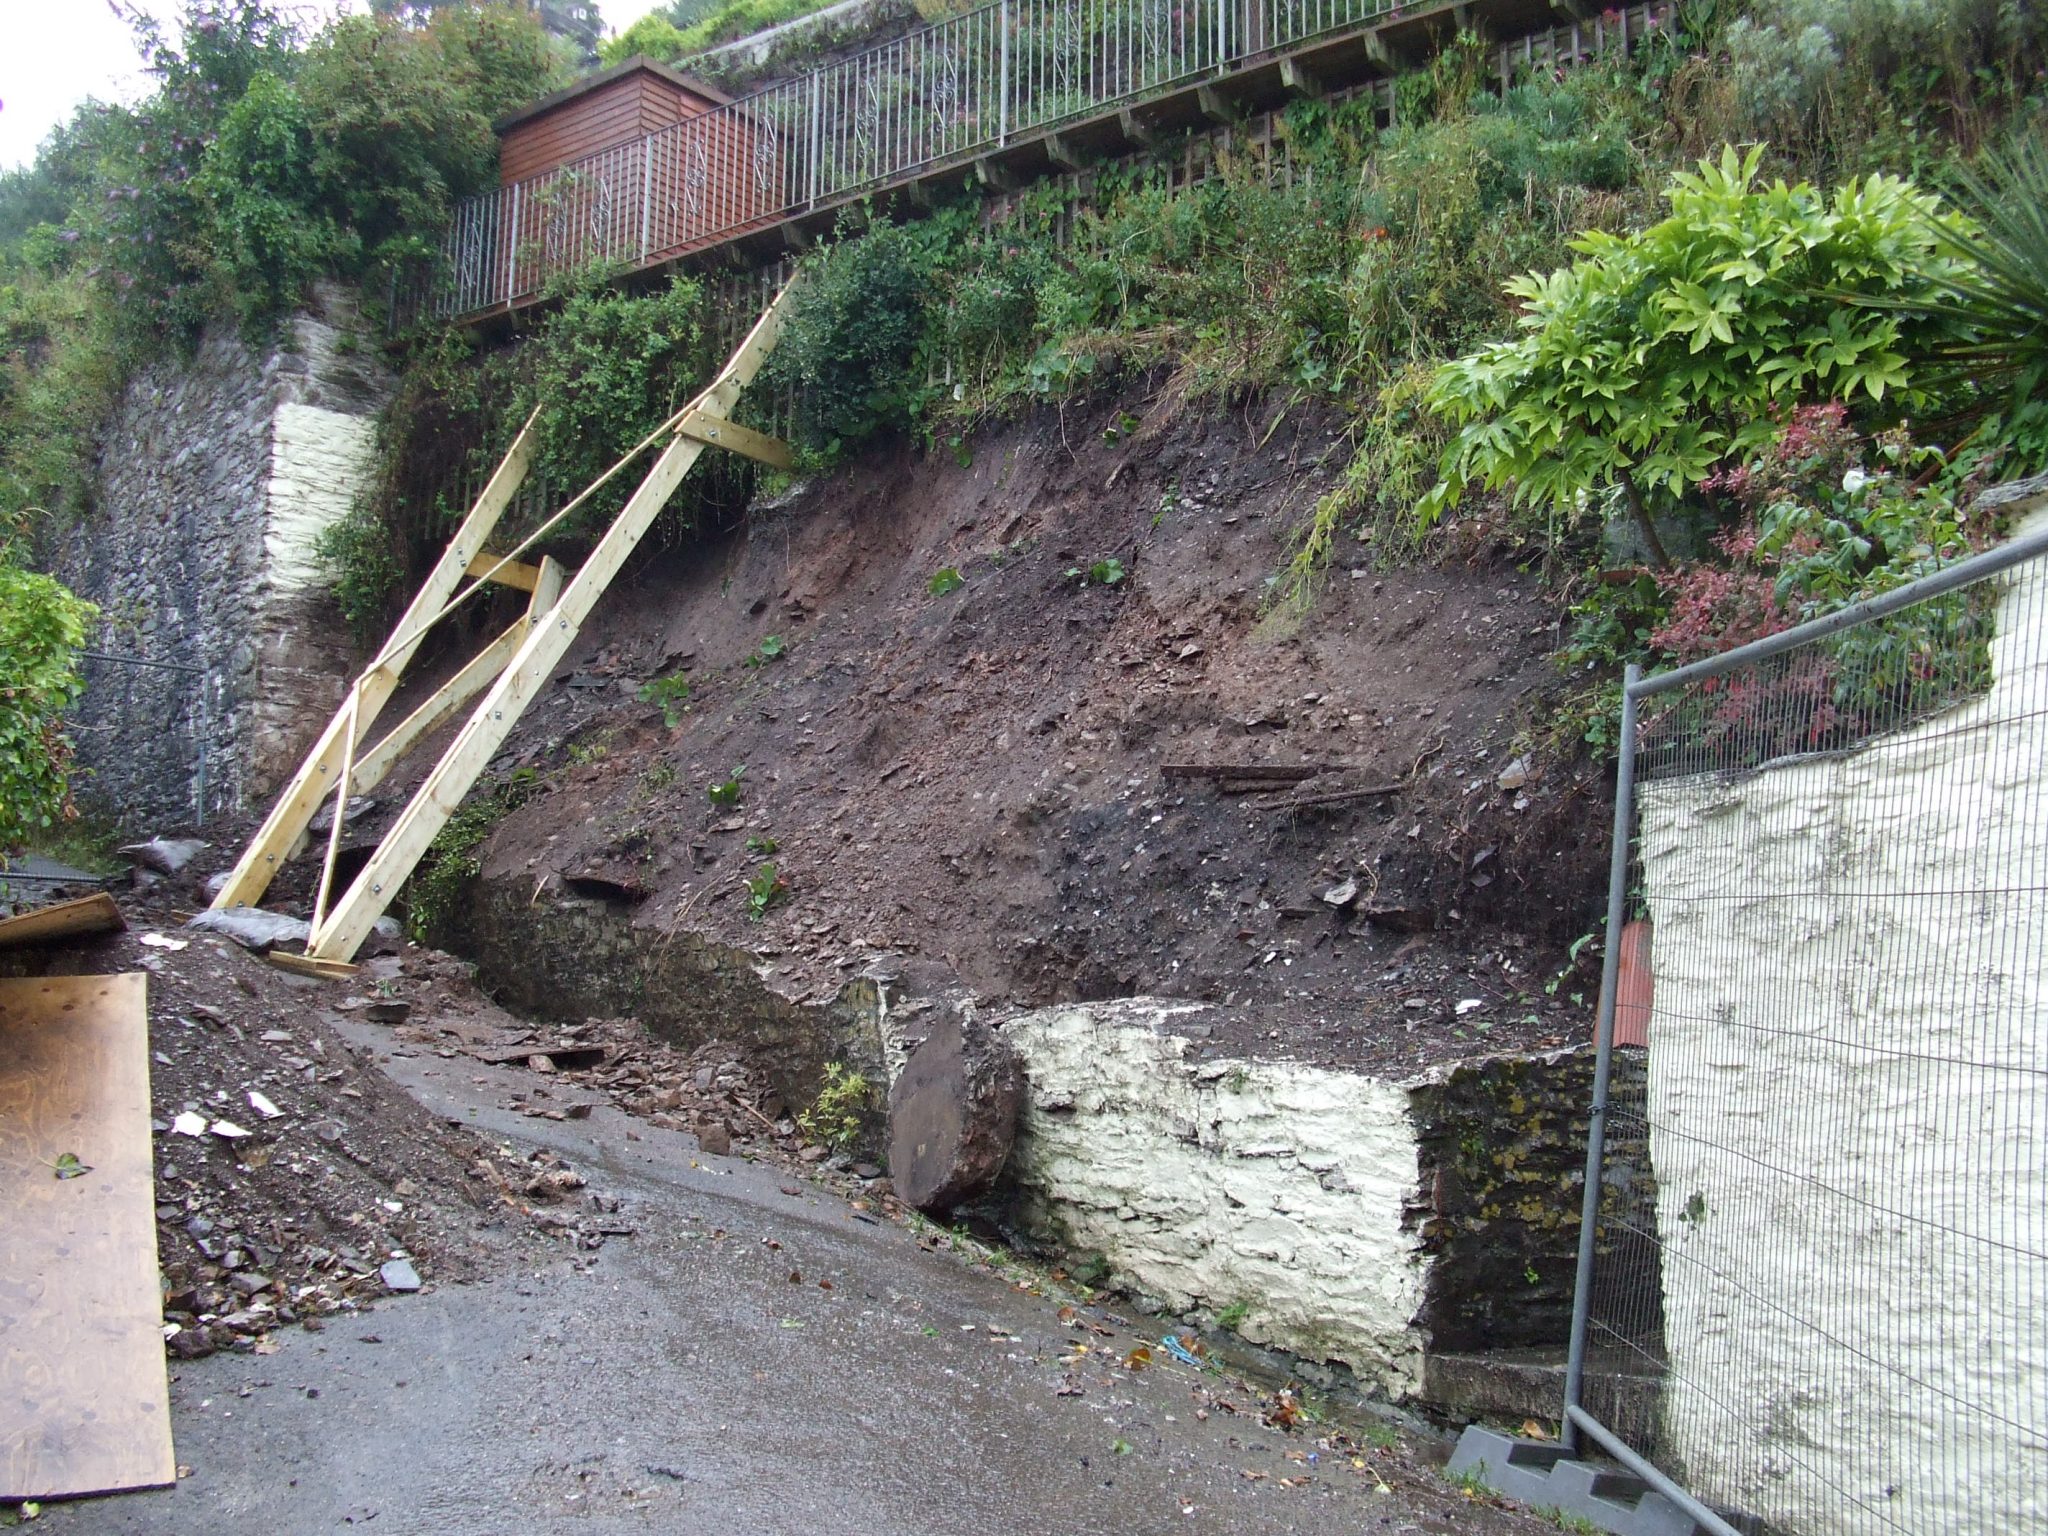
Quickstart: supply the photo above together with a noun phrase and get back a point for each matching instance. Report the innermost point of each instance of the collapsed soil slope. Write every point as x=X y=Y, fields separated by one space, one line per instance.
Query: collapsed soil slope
x=977 y=777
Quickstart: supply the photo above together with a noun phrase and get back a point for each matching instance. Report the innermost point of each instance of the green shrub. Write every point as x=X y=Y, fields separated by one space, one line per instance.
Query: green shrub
x=1656 y=356
x=261 y=196
x=834 y=1118
x=671 y=37
x=1859 y=82
x=1997 y=300
x=442 y=883
x=850 y=351
x=603 y=370
x=41 y=628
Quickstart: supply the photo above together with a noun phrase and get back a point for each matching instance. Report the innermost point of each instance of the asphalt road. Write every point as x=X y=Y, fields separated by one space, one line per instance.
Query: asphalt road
x=681 y=1380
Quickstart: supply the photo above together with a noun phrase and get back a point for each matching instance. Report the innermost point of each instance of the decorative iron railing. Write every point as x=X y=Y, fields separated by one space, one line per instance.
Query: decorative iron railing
x=945 y=93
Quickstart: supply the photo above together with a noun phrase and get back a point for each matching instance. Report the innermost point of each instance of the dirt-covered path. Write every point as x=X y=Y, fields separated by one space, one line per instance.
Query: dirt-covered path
x=745 y=1353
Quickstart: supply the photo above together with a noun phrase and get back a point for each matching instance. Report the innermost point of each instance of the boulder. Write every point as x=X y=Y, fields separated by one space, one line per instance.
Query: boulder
x=953 y=1113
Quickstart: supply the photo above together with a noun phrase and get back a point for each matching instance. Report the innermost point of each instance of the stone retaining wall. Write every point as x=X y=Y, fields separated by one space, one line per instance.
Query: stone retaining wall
x=1333 y=1214
x=217 y=474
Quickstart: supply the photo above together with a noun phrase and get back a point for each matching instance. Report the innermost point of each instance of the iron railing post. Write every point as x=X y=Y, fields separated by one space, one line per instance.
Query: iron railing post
x=817 y=135
x=646 y=195
x=1003 y=73
x=1603 y=1055
x=512 y=247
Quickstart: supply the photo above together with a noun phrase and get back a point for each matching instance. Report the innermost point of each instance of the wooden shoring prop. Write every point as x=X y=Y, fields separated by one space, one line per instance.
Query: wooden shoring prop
x=342 y=931
x=293 y=812
x=479 y=674
x=351 y=734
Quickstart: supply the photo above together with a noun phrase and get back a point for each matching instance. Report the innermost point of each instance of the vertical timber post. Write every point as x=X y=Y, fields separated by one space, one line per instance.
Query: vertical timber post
x=1603 y=1060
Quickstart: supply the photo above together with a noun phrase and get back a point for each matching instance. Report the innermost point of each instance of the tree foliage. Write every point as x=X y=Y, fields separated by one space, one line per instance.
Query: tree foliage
x=260 y=162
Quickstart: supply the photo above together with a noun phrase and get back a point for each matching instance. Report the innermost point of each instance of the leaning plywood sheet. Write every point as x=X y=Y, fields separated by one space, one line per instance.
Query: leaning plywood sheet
x=84 y=1403
x=62 y=920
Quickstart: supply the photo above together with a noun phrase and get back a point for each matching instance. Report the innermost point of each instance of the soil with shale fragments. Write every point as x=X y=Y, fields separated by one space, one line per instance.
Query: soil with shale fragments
x=1039 y=722
x=617 y=1329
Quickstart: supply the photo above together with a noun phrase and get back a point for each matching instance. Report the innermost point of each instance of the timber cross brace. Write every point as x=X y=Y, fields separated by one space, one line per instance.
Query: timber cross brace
x=509 y=672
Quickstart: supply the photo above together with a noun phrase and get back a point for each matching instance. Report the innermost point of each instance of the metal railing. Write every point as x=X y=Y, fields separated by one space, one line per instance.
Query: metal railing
x=1837 y=842
x=946 y=93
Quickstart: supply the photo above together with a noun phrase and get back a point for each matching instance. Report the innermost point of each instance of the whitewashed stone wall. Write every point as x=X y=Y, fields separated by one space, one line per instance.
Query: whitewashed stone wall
x=1869 y=1369
x=217 y=474
x=1347 y=1218
x=1216 y=1183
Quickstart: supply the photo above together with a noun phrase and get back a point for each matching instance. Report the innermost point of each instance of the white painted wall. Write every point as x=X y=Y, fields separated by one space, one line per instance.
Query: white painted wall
x=1911 y=921
x=1208 y=1183
x=319 y=460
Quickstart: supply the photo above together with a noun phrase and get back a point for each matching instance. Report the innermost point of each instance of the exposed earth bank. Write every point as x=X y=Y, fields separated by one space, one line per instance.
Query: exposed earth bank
x=987 y=715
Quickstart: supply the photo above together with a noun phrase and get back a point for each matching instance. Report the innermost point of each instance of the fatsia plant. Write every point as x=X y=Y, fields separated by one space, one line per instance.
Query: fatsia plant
x=1658 y=355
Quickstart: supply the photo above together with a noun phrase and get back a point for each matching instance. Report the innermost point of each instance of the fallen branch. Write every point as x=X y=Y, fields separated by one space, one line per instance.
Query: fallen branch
x=741 y=1104
x=1328 y=797
x=1275 y=773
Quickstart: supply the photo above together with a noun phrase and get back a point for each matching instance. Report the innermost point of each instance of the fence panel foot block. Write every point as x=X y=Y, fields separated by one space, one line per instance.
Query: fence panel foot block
x=1542 y=1475
x=84 y=1399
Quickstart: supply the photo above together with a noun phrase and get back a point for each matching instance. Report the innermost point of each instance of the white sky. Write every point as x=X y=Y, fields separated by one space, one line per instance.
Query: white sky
x=55 y=54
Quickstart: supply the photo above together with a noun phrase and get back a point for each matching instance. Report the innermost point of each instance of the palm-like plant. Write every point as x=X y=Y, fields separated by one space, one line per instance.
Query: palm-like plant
x=1998 y=299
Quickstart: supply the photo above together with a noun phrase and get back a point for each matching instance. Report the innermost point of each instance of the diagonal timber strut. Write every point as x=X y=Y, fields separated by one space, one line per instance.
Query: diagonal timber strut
x=337 y=933
x=322 y=769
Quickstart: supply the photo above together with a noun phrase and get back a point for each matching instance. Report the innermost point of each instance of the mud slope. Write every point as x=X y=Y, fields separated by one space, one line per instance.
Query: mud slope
x=974 y=777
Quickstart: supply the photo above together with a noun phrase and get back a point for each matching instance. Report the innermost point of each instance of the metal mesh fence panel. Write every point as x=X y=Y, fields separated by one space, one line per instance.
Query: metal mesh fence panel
x=1835 y=969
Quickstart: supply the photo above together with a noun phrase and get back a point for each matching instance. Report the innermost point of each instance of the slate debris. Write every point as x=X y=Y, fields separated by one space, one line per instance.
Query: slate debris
x=289 y=1171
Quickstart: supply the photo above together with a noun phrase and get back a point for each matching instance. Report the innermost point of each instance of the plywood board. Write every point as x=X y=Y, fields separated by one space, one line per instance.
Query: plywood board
x=96 y=913
x=84 y=1400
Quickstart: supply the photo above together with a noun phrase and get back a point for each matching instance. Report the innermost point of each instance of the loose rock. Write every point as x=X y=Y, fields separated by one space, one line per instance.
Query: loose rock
x=953 y=1113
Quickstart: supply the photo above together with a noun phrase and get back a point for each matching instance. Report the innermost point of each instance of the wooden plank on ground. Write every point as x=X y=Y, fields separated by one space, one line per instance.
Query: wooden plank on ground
x=84 y=1402
x=1276 y=773
x=306 y=965
x=96 y=913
